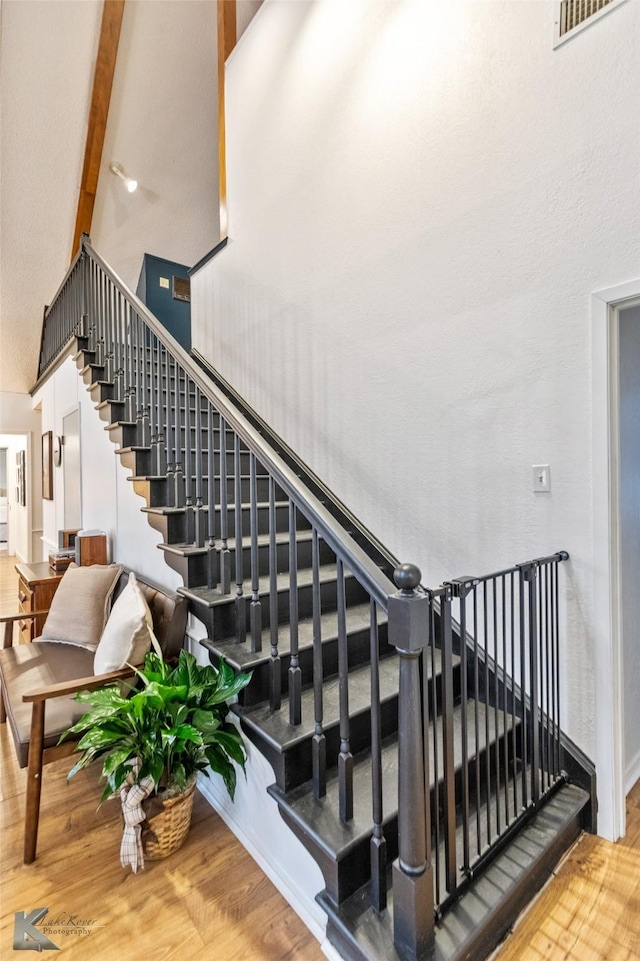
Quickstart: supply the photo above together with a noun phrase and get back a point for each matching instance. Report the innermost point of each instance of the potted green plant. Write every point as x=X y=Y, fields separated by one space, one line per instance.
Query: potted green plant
x=154 y=739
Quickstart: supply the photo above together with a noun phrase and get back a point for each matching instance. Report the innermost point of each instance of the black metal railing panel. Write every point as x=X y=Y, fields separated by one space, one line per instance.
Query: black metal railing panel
x=495 y=754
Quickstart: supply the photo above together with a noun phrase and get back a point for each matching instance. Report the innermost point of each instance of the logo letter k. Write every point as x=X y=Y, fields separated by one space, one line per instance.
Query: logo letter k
x=26 y=937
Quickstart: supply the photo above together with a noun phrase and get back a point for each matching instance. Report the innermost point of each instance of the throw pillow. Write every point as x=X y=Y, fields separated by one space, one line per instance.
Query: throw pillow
x=81 y=605
x=127 y=634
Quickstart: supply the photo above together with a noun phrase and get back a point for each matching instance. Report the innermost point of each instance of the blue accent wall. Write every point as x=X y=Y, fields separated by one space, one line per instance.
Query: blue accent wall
x=174 y=315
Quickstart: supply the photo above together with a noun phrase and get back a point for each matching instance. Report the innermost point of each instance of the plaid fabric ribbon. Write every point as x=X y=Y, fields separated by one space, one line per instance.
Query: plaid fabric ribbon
x=132 y=794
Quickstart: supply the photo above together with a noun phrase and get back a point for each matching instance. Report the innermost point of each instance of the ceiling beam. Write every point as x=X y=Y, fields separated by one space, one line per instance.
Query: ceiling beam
x=227 y=37
x=112 y=12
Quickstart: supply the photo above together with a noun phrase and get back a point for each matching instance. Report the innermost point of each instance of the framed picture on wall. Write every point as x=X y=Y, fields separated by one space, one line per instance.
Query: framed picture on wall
x=47 y=466
x=21 y=478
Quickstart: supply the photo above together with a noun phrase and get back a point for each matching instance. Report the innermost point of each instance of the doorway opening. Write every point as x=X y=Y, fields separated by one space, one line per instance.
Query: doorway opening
x=616 y=530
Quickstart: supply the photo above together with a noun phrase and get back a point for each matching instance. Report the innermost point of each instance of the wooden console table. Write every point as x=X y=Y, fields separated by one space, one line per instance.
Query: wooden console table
x=37 y=584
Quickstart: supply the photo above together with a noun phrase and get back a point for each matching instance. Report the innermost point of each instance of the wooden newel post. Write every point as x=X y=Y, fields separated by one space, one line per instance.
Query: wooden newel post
x=413 y=907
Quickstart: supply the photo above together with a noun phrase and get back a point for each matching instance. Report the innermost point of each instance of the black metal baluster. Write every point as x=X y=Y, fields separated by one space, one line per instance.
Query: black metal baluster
x=241 y=610
x=107 y=373
x=378 y=843
x=496 y=708
x=551 y=678
x=122 y=350
x=431 y=715
x=130 y=399
x=476 y=719
x=189 y=527
x=170 y=429
x=146 y=390
x=448 y=736
x=138 y=379
x=487 y=751
x=345 y=758
x=256 y=606
x=505 y=694
x=544 y=676
x=319 y=743
x=524 y=733
x=93 y=310
x=212 y=576
x=118 y=348
x=295 y=674
x=534 y=683
x=153 y=423
x=99 y=358
x=555 y=670
x=161 y=378
x=224 y=562
x=178 y=475
x=459 y=590
x=199 y=518
x=514 y=726
x=275 y=675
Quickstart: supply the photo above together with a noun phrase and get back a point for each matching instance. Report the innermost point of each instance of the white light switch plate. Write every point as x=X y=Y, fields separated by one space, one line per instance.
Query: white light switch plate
x=541 y=478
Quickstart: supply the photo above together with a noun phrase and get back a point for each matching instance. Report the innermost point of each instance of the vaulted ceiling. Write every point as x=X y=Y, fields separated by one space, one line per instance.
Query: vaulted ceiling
x=48 y=52
x=162 y=124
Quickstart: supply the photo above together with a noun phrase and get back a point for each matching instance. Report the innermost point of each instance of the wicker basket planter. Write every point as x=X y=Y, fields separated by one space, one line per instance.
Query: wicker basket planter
x=165 y=832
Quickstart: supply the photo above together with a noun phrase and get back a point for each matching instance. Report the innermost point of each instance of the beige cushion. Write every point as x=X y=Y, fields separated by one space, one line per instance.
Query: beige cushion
x=27 y=667
x=81 y=605
x=126 y=637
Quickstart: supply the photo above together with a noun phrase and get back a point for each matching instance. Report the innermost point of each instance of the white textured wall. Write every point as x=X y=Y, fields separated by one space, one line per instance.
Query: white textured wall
x=630 y=532
x=163 y=129
x=108 y=500
x=422 y=197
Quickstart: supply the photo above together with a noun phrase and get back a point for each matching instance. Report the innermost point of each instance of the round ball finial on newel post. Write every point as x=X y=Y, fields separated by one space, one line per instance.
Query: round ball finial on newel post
x=407 y=578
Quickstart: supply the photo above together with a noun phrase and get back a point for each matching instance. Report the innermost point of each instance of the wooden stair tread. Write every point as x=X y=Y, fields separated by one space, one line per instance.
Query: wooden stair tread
x=320 y=817
x=483 y=914
x=240 y=656
x=274 y=726
x=212 y=597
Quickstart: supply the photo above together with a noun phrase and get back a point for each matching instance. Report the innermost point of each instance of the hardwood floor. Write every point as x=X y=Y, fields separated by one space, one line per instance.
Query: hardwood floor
x=8 y=584
x=590 y=910
x=211 y=901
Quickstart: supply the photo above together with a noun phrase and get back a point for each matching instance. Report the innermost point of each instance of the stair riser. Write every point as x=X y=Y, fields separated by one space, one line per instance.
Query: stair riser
x=230 y=462
x=155 y=490
x=90 y=372
x=172 y=526
x=142 y=462
x=294 y=767
x=220 y=619
x=358 y=643
x=195 y=567
x=101 y=391
x=143 y=465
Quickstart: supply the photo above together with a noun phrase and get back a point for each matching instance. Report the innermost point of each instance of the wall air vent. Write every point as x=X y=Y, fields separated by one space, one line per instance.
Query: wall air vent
x=574 y=15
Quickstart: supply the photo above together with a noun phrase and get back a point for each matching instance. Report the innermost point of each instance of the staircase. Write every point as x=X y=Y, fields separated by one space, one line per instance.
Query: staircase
x=414 y=734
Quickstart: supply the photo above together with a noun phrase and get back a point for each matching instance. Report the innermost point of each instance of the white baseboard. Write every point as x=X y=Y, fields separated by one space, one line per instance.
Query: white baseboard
x=632 y=773
x=255 y=820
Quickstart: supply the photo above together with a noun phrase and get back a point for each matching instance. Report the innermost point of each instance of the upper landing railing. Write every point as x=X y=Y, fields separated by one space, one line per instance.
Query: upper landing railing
x=479 y=688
